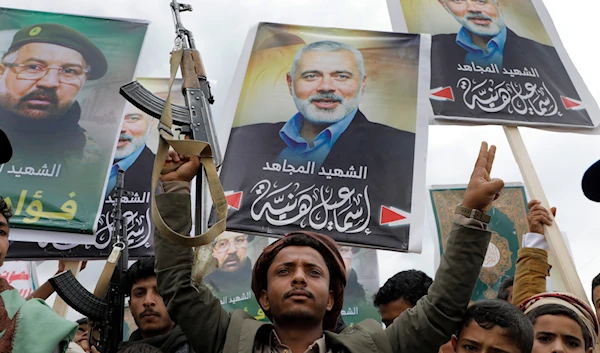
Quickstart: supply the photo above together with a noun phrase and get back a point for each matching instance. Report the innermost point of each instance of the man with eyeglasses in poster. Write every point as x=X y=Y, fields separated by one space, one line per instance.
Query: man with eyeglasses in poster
x=234 y=269
x=41 y=74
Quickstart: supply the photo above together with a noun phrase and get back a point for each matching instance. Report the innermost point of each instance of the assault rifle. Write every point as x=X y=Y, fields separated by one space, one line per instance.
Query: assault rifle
x=104 y=308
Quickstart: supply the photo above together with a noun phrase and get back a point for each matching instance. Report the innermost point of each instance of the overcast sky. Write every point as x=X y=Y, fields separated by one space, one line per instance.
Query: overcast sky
x=220 y=28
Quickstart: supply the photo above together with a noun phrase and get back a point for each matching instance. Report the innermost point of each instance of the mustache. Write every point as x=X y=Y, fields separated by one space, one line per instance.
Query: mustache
x=478 y=16
x=126 y=137
x=232 y=257
x=149 y=312
x=295 y=292
x=328 y=96
x=46 y=94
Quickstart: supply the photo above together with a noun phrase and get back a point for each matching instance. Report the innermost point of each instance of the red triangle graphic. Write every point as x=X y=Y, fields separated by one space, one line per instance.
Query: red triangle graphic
x=570 y=103
x=234 y=200
x=445 y=93
x=389 y=216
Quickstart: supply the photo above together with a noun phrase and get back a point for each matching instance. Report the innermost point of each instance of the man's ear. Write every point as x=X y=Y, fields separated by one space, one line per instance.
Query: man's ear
x=288 y=78
x=364 y=84
x=263 y=300
x=330 y=301
x=2 y=68
x=454 y=342
x=129 y=302
x=590 y=350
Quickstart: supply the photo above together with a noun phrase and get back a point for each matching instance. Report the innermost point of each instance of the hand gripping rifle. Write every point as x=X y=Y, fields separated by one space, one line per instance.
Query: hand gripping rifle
x=195 y=122
x=104 y=308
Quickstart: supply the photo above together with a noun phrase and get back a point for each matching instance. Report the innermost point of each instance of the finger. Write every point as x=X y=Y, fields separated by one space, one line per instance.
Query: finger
x=532 y=203
x=553 y=209
x=496 y=185
x=482 y=158
x=490 y=158
x=543 y=219
x=538 y=208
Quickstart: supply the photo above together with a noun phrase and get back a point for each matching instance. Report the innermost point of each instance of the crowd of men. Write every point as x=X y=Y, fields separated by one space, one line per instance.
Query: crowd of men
x=299 y=280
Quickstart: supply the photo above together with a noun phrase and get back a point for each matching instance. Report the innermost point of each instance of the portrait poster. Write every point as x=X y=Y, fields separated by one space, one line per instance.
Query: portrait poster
x=335 y=143
x=61 y=109
x=236 y=254
x=21 y=275
x=508 y=224
x=498 y=62
x=135 y=152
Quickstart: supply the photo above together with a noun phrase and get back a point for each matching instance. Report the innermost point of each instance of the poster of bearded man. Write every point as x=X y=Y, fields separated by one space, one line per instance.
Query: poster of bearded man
x=328 y=135
x=498 y=62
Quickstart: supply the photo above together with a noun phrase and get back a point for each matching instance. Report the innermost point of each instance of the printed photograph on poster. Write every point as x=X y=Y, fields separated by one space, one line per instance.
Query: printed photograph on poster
x=21 y=275
x=499 y=62
x=134 y=153
x=326 y=136
x=236 y=254
x=508 y=225
x=60 y=107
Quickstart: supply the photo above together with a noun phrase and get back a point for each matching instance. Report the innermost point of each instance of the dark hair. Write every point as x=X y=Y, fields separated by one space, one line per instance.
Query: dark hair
x=503 y=292
x=140 y=348
x=490 y=313
x=408 y=285
x=561 y=310
x=82 y=321
x=595 y=283
x=142 y=269
x=5 y=209
x=299 y=239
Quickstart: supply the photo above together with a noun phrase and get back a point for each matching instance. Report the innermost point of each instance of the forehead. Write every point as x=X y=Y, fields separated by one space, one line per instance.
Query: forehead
x=3 y=219
x=229 y=236
x=558 y=324
x=299 y=255
x=148 y=282
x=495 y=338
x=334 y=60
x=50 y=52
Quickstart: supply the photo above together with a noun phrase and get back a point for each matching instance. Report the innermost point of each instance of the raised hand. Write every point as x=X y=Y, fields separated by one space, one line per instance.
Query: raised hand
x=482 y=189
x=179 y=167
x=538 y=216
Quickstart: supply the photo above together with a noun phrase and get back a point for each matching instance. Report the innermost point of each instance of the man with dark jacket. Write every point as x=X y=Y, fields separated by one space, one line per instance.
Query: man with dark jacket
x=149 y=312
x=299 y=281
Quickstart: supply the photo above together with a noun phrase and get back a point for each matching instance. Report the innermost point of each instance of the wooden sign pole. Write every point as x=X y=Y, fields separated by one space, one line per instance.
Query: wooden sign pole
x=557 y=245
x=60 y=307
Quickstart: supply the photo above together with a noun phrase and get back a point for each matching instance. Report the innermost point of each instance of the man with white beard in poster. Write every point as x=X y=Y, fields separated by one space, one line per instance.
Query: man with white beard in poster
x=485 y=48
x=132 y=155
x=327 y=80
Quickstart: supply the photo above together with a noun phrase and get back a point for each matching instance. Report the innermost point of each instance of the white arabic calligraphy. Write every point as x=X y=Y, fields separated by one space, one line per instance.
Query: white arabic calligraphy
x=346 y=211
x=44 y=171
x=515 y=97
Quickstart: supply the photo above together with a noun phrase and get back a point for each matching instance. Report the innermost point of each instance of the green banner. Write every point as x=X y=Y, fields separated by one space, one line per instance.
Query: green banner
x=236 y=254
x=60 y=106
x=508 y=224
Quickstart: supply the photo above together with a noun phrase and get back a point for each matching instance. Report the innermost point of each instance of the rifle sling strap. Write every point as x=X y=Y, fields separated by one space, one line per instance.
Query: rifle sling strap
x=186 y=147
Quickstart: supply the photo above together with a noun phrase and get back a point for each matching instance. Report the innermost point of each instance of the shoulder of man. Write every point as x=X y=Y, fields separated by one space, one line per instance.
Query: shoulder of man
x=529 y=46
x=381 y=131
x=256 y=129
x=366 y=336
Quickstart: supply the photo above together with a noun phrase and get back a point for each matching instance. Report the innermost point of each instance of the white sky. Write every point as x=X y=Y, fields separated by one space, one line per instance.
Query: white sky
x=220 y=28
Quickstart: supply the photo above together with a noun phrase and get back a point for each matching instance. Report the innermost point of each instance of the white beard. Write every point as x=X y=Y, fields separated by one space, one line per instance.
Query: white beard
x=491 y=30
x=128 y=149
x=317 y=115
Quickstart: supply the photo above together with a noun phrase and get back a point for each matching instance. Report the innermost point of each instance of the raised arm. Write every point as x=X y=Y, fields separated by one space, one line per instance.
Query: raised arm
x=193 y=308
x=437 y=315
x=532 y=263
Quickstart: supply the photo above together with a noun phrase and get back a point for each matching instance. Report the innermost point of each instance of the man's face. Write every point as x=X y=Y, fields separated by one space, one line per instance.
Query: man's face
x=481 y=17
x=297 y=286
x=230 y=251
x=557 y=333
x=346 y=252
x=81 y=337
x=474 y=338
x=326 y=85
x=148 y=309
x=49 y=96
x=134 y=133
x=510 y=294
x=4 y=230
x=390 y=311
x=596 y=299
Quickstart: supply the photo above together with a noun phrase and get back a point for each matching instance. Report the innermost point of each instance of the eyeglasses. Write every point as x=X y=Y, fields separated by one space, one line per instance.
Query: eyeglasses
x=35 y=71
x=345 y=249
x=223 y=245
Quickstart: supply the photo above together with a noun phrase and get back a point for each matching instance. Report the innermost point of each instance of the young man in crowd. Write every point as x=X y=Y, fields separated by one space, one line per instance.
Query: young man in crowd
x=299 y=281
x=399 y=293
x=149 y=312
x=494 y=326
x=506 y=290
